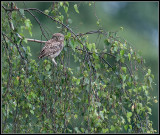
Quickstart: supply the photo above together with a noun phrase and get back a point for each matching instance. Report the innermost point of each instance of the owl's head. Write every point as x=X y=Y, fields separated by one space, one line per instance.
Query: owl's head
x=58 y=37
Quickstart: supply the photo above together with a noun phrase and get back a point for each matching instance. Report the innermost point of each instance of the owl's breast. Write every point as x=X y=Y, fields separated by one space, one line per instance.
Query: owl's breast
x=54 y=55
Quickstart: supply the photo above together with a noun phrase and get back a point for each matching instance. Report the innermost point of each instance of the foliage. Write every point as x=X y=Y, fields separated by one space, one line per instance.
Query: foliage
x=103 y=93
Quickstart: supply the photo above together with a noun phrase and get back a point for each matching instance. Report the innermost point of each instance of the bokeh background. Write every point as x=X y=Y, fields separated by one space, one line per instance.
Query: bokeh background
x=138 y=19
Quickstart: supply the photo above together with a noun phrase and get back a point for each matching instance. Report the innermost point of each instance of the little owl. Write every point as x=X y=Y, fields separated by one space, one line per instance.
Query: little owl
x=53 y=47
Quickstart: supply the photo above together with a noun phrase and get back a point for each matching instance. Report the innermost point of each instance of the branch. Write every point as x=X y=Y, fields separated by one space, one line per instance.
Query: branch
x=10 y=69
x=15 y=45
x=38 y=23
x=9 y=9
x=100 y=31
x=35 y=40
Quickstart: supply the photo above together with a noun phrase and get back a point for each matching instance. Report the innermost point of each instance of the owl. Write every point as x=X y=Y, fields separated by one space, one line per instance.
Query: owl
x=53 y=47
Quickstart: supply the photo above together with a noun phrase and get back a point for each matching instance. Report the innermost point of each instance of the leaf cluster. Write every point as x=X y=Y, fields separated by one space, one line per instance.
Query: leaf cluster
x=107 y=91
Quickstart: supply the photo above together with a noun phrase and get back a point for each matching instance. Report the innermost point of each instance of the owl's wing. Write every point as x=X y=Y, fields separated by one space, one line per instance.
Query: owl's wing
x=50 y=48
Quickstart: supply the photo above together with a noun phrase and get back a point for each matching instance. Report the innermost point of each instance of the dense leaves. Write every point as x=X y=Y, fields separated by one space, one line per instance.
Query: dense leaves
x=104 y=92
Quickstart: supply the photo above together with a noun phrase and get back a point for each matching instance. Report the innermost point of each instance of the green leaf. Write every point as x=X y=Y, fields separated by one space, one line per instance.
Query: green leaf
x=47 y=67
x=149 y=110
x=61 y=4
x=112 y=128
x=57 y=19
x=85 y=73
x=95 y=56
x=122 y=60
x=129 y=114
x=25 y=40
x=123 y=69
x=129 y=56
x=149 y=71
x=76 y=129
x=31 y=111
x=75 y=116
x=121 y=28
x=123 y=77
x=130 y=126
x=129 y=120
x=67 y=3
x=126 y=127
x=122 y=52
x=97 y=66
x=90 y=3
x=115 y=43
x=140 y=105
x=106 y=41
x=46 y=12
x=65 y=9
x=28 y=49
x=98 y=22
x=101 y=114
x=115 y=48
x=29 y=105
x=98 y=104
x=78 y=81
x=61 y=17
x=73 y=45
x=68 y=35
x=93 y=46
x=33 y=95
x=82 y=129
x=123 y=120
x=28 y=23
x=89 y=46
x=105 y=130
x=22 y=28
x=22 y=12
x=76 y=8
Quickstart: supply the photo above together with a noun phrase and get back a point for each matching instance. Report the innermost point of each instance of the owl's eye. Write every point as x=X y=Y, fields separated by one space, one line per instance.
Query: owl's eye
x=61 y=38
x=55 y=37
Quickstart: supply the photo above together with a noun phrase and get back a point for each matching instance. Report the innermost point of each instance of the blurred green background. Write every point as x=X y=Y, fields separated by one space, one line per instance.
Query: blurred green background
x=138 y=19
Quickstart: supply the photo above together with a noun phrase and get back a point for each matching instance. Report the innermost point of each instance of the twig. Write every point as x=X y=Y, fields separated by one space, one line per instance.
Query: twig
x=10 y=71
x=100 y=31
x=38 y=23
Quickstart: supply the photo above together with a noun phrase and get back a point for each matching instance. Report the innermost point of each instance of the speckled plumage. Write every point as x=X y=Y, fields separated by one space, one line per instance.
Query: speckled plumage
x=53 y=47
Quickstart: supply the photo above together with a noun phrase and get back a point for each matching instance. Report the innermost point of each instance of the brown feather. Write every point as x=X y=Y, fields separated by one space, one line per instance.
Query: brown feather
x=53 y=47
x=50 y=47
